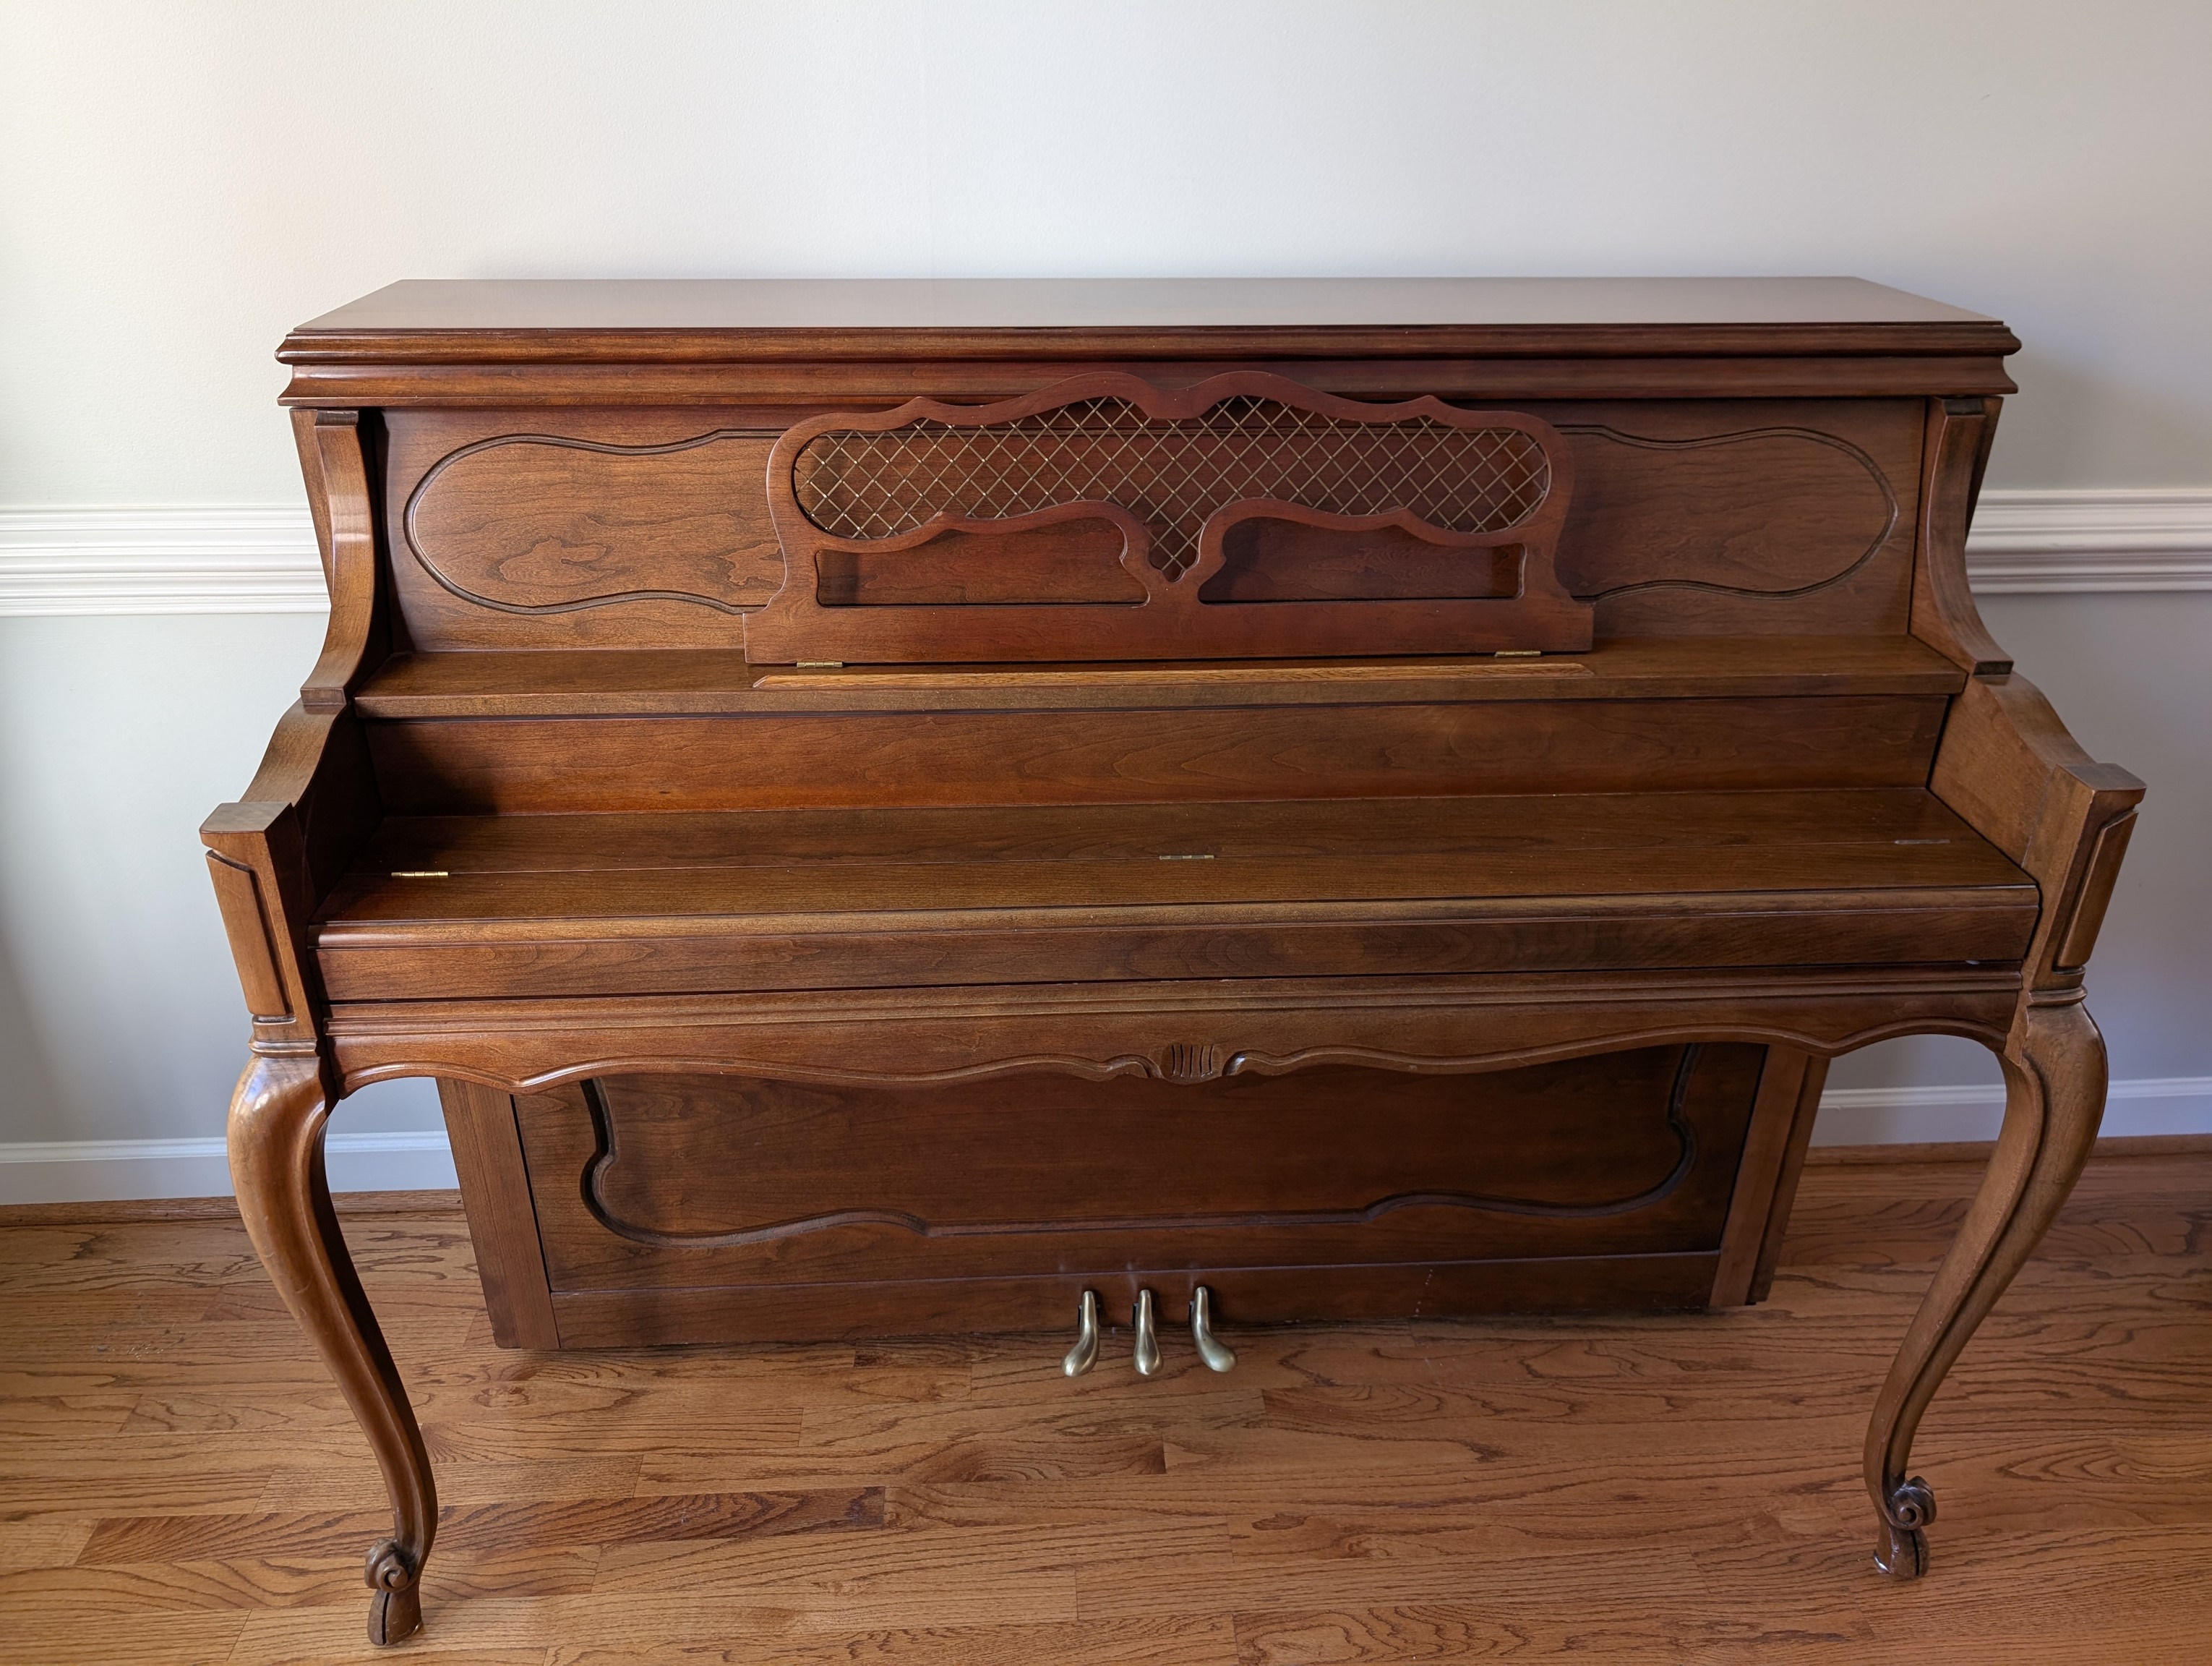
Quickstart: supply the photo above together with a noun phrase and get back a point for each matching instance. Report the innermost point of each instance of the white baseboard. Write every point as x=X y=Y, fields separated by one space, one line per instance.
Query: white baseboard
x=259 y=558
x=1915 y=1116
x=98 y=1170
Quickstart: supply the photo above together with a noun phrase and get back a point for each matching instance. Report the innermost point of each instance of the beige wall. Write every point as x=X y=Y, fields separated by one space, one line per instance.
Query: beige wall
x=180 y=182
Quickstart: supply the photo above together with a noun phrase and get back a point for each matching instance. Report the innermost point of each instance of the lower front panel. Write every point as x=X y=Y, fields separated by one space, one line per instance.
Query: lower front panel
x=698 y=1208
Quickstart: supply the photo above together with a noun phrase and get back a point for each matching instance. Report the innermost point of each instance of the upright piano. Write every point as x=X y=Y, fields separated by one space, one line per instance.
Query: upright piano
x=1143 y=810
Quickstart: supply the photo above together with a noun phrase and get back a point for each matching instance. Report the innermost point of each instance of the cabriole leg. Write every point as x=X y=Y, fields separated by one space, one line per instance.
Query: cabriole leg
x=2054 y=1068
x=276 y=1121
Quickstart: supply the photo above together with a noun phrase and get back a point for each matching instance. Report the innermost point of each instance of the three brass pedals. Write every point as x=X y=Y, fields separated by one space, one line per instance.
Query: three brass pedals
x=1147 y=1355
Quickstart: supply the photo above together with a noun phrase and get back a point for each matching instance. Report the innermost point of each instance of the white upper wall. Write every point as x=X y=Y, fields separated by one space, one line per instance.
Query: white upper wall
x=180 y=183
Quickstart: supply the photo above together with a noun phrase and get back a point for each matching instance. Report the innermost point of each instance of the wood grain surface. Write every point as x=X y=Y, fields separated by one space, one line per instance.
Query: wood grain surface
x=550 y=905
x=180 y=1481
x=663 y=682
x=530 y=766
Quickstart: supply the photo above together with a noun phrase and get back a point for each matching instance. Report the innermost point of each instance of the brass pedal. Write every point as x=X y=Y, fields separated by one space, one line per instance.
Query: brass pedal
x=1148 y=1341
x=1084 y=1354
x=1218 y=1355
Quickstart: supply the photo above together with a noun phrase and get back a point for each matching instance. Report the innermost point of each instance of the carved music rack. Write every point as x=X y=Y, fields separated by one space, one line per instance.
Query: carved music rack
x=1104 y=518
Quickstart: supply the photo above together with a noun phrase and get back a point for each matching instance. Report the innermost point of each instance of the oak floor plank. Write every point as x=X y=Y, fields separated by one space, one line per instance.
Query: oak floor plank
x=132 y=1258
x=254 y=1582
x=44 y=1541
x=90 y=1415
x=508 y=1524
x=506 y=1631
x=52 y=1478
x=1397 y=1632
x=954 y=1441
x=595 y=1632
x=1204 y=1640
x=644 y=1428
x=356 y=1485
x=90 y=1635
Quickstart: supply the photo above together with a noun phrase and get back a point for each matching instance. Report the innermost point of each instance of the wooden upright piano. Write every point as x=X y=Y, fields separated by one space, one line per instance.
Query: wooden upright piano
x=1141 y=808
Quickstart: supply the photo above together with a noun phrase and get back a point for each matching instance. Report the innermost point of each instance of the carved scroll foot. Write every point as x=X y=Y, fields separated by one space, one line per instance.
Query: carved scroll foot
x=276 y=1121
x=396 y=1610
x=2054 y=1067
x=1901 y=1551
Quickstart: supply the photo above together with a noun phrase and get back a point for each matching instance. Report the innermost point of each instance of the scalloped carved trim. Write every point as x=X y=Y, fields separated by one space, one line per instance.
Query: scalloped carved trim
x=607 y=1153
x=647 y=1061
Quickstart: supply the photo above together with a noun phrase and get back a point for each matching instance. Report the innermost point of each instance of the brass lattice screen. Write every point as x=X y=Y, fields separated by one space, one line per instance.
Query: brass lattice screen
x=1170 y=474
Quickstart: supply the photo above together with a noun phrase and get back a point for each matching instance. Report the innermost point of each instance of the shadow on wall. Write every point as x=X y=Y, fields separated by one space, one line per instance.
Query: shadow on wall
x=2070 y=425
x=30 y=1099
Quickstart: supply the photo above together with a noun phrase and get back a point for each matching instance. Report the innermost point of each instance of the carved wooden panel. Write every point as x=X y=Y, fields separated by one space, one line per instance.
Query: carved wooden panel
x=1768 y=516
x=652 y=528
x=584 y=528
x=687 y=1180
x=1815 y=508
x=1413 y=527
x=539 y=524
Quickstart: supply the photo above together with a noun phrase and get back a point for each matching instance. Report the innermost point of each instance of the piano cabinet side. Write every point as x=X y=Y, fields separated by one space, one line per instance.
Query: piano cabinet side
x=313 y=804
x=2007 y=765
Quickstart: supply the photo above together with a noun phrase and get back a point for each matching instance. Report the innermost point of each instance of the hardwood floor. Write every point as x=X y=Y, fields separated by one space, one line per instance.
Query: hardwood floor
x=181 y=1482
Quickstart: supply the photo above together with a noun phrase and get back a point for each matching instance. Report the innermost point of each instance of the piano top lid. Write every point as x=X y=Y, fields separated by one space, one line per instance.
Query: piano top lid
x=677 y=320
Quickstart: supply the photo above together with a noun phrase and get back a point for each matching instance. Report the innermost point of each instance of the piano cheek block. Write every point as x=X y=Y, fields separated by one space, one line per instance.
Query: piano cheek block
x=1197 y=844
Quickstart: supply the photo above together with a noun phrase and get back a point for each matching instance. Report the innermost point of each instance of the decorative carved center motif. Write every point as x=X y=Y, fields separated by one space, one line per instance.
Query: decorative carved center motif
x=1190 y=1062
x=1170 y=474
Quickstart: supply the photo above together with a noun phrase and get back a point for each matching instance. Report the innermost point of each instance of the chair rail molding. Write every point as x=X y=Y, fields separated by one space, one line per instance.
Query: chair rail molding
x=74 y=561
x=2113 y=539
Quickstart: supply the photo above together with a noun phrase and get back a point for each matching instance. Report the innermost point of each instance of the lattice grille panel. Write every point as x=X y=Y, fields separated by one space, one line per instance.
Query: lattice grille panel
x=1171 y=474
